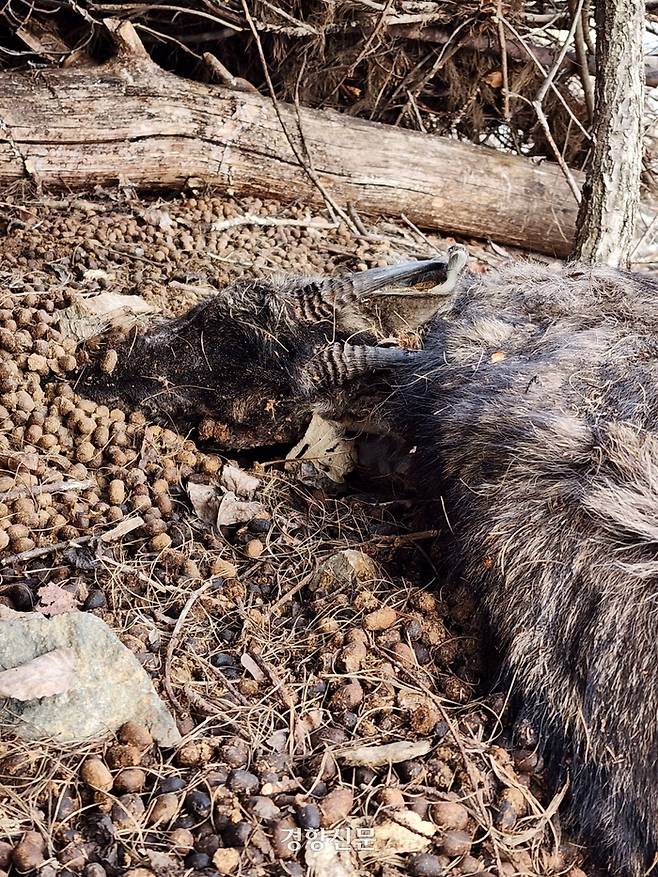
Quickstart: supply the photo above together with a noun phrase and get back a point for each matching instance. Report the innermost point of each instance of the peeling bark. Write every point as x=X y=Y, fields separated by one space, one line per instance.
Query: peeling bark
x=611 y=195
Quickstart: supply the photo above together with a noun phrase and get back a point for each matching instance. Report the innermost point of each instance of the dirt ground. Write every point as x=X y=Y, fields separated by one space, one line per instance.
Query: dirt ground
x=284 y=657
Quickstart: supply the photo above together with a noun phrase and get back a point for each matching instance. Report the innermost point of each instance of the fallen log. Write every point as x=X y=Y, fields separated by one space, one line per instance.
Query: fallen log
x=130 y=122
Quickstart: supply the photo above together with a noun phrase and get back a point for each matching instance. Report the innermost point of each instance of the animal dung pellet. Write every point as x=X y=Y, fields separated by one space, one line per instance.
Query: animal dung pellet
x=164 y=809
x=123 y=755
x=96 y=774
x=109 y=361
x=449 y=815
x=130 y=779
x=380 y=619
x=456 y=843
x=254 y=548
x=29 y=852
x=135 y=734
x=336 y=806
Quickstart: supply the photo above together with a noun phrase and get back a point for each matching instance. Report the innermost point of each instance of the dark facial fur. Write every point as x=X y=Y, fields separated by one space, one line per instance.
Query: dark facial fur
x=250 y=364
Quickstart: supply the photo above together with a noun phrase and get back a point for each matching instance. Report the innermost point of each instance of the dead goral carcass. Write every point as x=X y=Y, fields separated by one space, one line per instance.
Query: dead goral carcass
x=533 y=413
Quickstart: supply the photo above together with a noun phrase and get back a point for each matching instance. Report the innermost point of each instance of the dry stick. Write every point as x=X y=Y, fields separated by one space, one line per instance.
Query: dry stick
x=45 y=549
x=581 y=57
x=541 y=94
x=250 y=219
x=294 y=590
x=331 y=204
x=531 y=52
x=503 y=59
x=173 y=642
x=55 y=487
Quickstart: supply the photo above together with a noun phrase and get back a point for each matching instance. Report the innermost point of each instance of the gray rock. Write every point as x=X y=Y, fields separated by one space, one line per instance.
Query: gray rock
x=109 y=688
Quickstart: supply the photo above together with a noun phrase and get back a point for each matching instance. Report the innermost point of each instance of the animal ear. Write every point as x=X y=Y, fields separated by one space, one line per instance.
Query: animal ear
x=338 y=363
x=323 y=300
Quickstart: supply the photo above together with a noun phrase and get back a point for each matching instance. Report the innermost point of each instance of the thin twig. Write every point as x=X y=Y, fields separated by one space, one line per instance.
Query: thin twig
x=55 y=487
x=44 y=549
x=331 y=204
x=250 y=219
x=173 y=642
x=503 y=60
x=581 y=56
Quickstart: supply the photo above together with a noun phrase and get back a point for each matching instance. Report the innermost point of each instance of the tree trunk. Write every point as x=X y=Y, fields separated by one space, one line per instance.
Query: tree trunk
x=611 y=195
x=133 y=123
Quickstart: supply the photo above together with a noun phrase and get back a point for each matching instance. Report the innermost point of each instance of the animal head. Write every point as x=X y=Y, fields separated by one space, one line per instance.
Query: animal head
x=248 y=365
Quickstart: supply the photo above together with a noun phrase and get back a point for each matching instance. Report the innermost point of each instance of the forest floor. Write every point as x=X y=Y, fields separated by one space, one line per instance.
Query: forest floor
x=286 y=646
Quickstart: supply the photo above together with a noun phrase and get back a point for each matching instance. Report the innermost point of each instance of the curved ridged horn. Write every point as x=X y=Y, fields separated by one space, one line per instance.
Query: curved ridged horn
x=338 y=363
x=320 y=299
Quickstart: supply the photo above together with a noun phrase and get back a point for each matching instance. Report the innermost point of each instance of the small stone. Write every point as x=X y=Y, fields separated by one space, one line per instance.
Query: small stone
x=67 y=804
x=308 y=816
x=130 y=779
x=172 y=784
x=456 y=843
x=135 y=734
x=427 y=865
x=449 y=815
x=164 y=809
x=226 y=860
x=95 y=600
x=95 y=773
x=380 y=619
x=242 y=781
x=336 y=806
x=254 y=548
x=29 y=852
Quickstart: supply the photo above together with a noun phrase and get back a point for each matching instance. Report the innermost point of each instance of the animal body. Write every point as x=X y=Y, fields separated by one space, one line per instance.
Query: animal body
x=532 y=410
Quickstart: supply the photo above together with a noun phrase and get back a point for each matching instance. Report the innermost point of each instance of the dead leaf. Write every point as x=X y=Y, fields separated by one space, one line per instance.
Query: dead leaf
x=54 y=600
x=252 y=667
x=44 y=676
x=122 y=528
x=387 y=753
x=159 y=218
x=91 y=315
x=236 y=511
x=408 y=834
x=322 y=453
x=331 y=858
x=494 y=79
x=205 y=501
x=240 y=482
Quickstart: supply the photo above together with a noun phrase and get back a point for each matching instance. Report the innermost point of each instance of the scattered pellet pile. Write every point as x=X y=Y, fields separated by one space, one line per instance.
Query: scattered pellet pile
x=291 y=646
